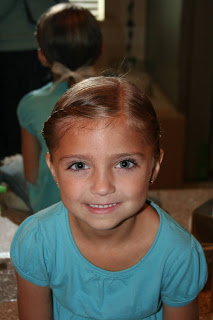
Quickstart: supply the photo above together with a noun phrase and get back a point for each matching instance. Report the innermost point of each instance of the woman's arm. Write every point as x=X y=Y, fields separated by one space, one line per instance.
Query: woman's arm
x=188 y=312
x=34 y=302
x=31 y=153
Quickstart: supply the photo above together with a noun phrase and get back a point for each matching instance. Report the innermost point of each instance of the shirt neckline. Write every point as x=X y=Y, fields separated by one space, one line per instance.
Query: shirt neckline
x=115 y=274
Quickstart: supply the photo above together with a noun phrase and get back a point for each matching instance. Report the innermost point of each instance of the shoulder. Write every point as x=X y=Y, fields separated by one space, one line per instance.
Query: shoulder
x=184 y=264
x=32 y=248
x=171 y=231
x=47 y=218
x=178 y=247
x=35 y=227
x=35 y=107
x=36 y=98
x=34 y=95
x=31 y=106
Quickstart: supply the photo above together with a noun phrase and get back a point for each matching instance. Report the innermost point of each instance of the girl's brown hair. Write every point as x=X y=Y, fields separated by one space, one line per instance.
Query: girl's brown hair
x=70 y=35
x=100 y=98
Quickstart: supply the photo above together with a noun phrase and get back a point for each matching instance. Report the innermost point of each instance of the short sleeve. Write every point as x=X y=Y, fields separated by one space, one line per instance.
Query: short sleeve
x=28 y=253
x=25 y=112
x=186 y=277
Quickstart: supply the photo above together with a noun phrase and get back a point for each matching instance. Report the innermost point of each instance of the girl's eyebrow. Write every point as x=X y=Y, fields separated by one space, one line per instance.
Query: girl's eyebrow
x=75 y=156
x=129 y=154
x=113 y=156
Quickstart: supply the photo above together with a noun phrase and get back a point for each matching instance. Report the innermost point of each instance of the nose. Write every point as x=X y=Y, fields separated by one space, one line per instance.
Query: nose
x=102 y=184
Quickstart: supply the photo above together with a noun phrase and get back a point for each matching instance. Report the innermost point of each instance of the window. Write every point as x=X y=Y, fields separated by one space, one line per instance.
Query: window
x=97 y=7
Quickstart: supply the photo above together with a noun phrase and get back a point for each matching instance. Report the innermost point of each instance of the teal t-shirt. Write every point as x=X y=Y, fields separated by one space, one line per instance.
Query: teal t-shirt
x=173 y=271
x=33 y=110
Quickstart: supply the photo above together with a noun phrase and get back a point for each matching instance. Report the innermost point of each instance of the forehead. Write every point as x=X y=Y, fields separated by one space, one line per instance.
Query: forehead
x=104 y=125
x=105 y=135
x=78 y=124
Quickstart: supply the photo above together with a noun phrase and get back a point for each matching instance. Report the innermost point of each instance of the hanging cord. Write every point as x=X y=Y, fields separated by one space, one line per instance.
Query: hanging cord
x=29 y=13
x=3 y=15
x=131 y=60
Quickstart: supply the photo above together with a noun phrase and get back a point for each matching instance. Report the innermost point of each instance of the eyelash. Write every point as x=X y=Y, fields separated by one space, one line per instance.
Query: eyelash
x=132 y=161
x=75 y=163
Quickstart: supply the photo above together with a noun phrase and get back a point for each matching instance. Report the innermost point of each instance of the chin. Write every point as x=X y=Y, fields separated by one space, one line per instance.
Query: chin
x=104 y=225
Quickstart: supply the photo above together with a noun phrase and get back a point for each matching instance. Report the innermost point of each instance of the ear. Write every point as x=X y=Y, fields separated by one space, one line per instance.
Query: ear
x=51 y=167
x=43 y=59
x=157 y=166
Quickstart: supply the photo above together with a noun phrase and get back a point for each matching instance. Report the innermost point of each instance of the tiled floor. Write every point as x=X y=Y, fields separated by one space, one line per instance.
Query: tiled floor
x=8 y=307
x=8 y=287
x=9 y=310
x=9 y=222
x=7 y=231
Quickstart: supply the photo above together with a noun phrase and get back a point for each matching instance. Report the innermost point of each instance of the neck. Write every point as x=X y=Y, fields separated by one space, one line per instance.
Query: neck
x=119 y=234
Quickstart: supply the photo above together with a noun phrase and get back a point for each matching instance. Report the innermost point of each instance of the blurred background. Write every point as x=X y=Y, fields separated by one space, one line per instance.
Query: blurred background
x=171 y=44
x=166 y=48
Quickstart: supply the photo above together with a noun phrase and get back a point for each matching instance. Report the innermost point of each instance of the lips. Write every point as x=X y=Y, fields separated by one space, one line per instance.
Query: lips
x=102 y=206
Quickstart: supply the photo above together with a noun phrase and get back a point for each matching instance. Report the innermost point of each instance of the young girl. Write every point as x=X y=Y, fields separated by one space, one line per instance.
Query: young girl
x=105 y=252
x=70 y=42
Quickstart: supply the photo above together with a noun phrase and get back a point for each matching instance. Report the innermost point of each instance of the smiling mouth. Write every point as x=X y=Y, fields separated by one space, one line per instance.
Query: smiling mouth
x=102 y=206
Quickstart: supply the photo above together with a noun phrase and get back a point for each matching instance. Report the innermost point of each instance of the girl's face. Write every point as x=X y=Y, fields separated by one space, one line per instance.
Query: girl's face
x=103 y=173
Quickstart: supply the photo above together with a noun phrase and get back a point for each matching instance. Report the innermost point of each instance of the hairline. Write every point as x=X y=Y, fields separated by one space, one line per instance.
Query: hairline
x=64 y=124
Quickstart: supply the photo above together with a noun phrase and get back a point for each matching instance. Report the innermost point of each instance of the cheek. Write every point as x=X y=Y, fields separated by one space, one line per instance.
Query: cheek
x=71 y=188
x=134 y=186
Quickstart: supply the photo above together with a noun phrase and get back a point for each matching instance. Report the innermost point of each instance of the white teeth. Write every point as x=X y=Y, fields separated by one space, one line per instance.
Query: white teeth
x=102 y=206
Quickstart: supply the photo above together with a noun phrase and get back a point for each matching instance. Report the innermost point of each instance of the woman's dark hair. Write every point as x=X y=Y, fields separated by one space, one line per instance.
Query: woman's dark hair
x=70 y=35
x=103 y=98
